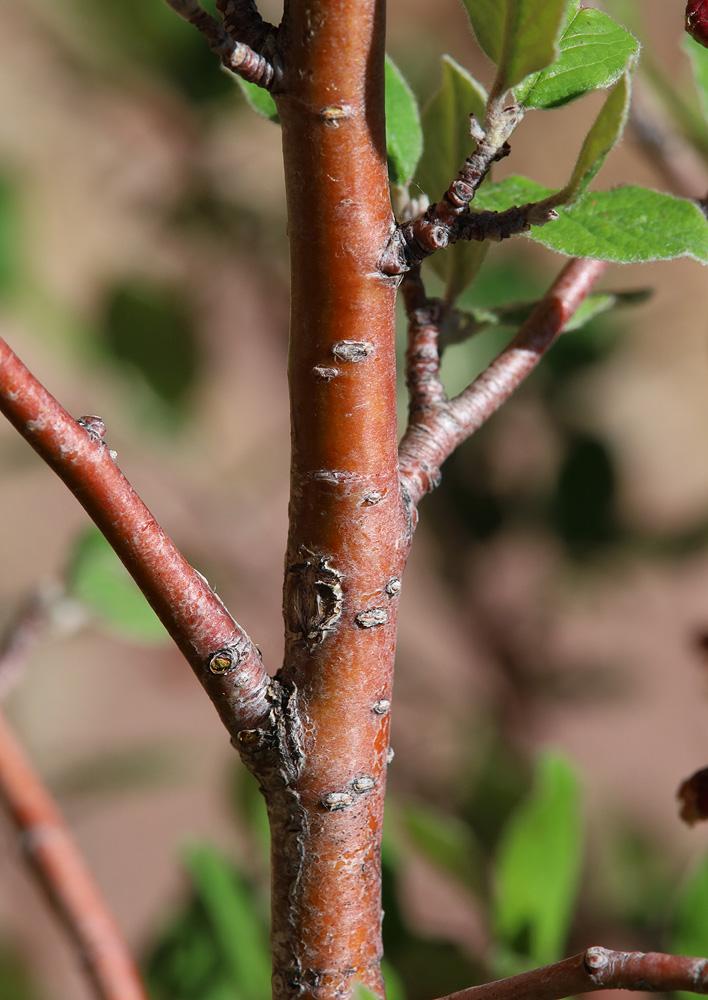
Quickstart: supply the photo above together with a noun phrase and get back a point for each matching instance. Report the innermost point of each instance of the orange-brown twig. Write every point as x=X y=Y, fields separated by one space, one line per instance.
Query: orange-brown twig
x=219 y=651
x=597 y=969
x=67 y=882
x=434 y=433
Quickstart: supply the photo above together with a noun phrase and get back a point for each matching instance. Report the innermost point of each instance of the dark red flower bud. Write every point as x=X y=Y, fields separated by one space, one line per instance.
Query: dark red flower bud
x=697 y=20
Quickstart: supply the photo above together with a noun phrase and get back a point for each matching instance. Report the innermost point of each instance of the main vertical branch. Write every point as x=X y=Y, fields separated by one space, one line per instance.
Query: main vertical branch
x=347 y=540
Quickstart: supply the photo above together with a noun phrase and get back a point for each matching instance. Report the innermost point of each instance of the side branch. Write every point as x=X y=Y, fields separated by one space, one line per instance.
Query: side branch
x=597 y=969
x=64 y=877
x=221 y=654
x=243 y=22
x=434 y=435
x=241 y=58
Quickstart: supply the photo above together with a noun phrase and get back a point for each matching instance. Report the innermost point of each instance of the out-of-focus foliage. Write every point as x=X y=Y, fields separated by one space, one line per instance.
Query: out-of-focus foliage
x=98 y=579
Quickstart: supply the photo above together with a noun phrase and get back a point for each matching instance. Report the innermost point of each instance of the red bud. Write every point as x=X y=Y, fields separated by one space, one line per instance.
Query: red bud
x=697 y=20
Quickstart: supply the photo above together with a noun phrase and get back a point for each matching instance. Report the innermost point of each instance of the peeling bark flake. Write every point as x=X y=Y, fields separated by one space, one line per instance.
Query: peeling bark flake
x=372 y=617
x=313 y=598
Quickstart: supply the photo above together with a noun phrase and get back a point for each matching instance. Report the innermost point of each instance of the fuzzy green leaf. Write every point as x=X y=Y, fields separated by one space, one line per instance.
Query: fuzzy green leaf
x=605 y=132
x=538 y=864
x=404 y=136
x=698 y=56
x=626 y=225
x=446 y=145
x=594 y=52
x=259 y=99
x=98 y=579
x=519 y=36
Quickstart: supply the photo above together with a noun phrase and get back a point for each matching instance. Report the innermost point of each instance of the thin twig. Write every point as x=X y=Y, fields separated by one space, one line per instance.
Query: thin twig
x=432 y=437
x=236 y=55
x=597 y=969
x=244 y=23
x=425 y=318
x=58 y=864
x=221 y=654
x=20 y=637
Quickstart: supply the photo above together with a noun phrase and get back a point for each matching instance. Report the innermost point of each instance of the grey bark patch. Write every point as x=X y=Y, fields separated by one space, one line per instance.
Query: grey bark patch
x=337 y=800
x=352 y=350
x=313 y=598
x=324 y=374
x=393 y=586
x=372 y=617
x=363 y=784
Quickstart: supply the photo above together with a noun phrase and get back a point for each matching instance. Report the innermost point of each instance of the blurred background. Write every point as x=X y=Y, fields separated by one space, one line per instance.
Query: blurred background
x=552 y=673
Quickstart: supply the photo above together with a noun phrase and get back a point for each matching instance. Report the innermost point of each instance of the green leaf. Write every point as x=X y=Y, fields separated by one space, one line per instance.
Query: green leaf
x=626 y=225
x=594 y=52
x=236 y=927
x=361 y=992
x=519 y=36
x=98 y=578
x=698 y=56
x=538 y=864
x=10 y=236
x=404 y=136
x=259 y=100
x=477 y=320
x=690 y=930
x=446 y=145
x=151 y=328
x=605 y=132
x=446 y=841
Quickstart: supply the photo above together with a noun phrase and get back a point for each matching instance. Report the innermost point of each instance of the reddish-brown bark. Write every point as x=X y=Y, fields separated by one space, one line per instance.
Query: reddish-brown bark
x=597 y=969
x=347 y=541
x=434 y=432
x=182 y=599
x=55 y=857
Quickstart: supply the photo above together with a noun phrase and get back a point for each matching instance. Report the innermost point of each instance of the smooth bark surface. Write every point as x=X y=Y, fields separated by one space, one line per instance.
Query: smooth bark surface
x=348 y=540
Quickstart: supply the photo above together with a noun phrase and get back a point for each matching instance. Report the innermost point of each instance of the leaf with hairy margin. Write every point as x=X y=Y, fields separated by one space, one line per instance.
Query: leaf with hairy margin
x=594 y=52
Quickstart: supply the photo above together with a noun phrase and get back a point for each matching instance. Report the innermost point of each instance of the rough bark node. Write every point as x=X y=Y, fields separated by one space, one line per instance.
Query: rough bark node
x=322 y=768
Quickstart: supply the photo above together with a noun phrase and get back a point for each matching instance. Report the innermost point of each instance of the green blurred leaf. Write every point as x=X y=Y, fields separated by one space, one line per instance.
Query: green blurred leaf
x=478 y=320
x=538 y=867
x=15 y=975
x=235 y=924
x=165 y=45
x=404 y=136
x=626 y=225
x=259 y=100
x=10 y=236
x=698 y=56
x=606 y=131
x=519 y=36
x=690 y=925
x=151 y=328
x=594 y=52
x=446 y=145
x=583 y=508
x=361 y=992
x=446 y=841
x=98 y=578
